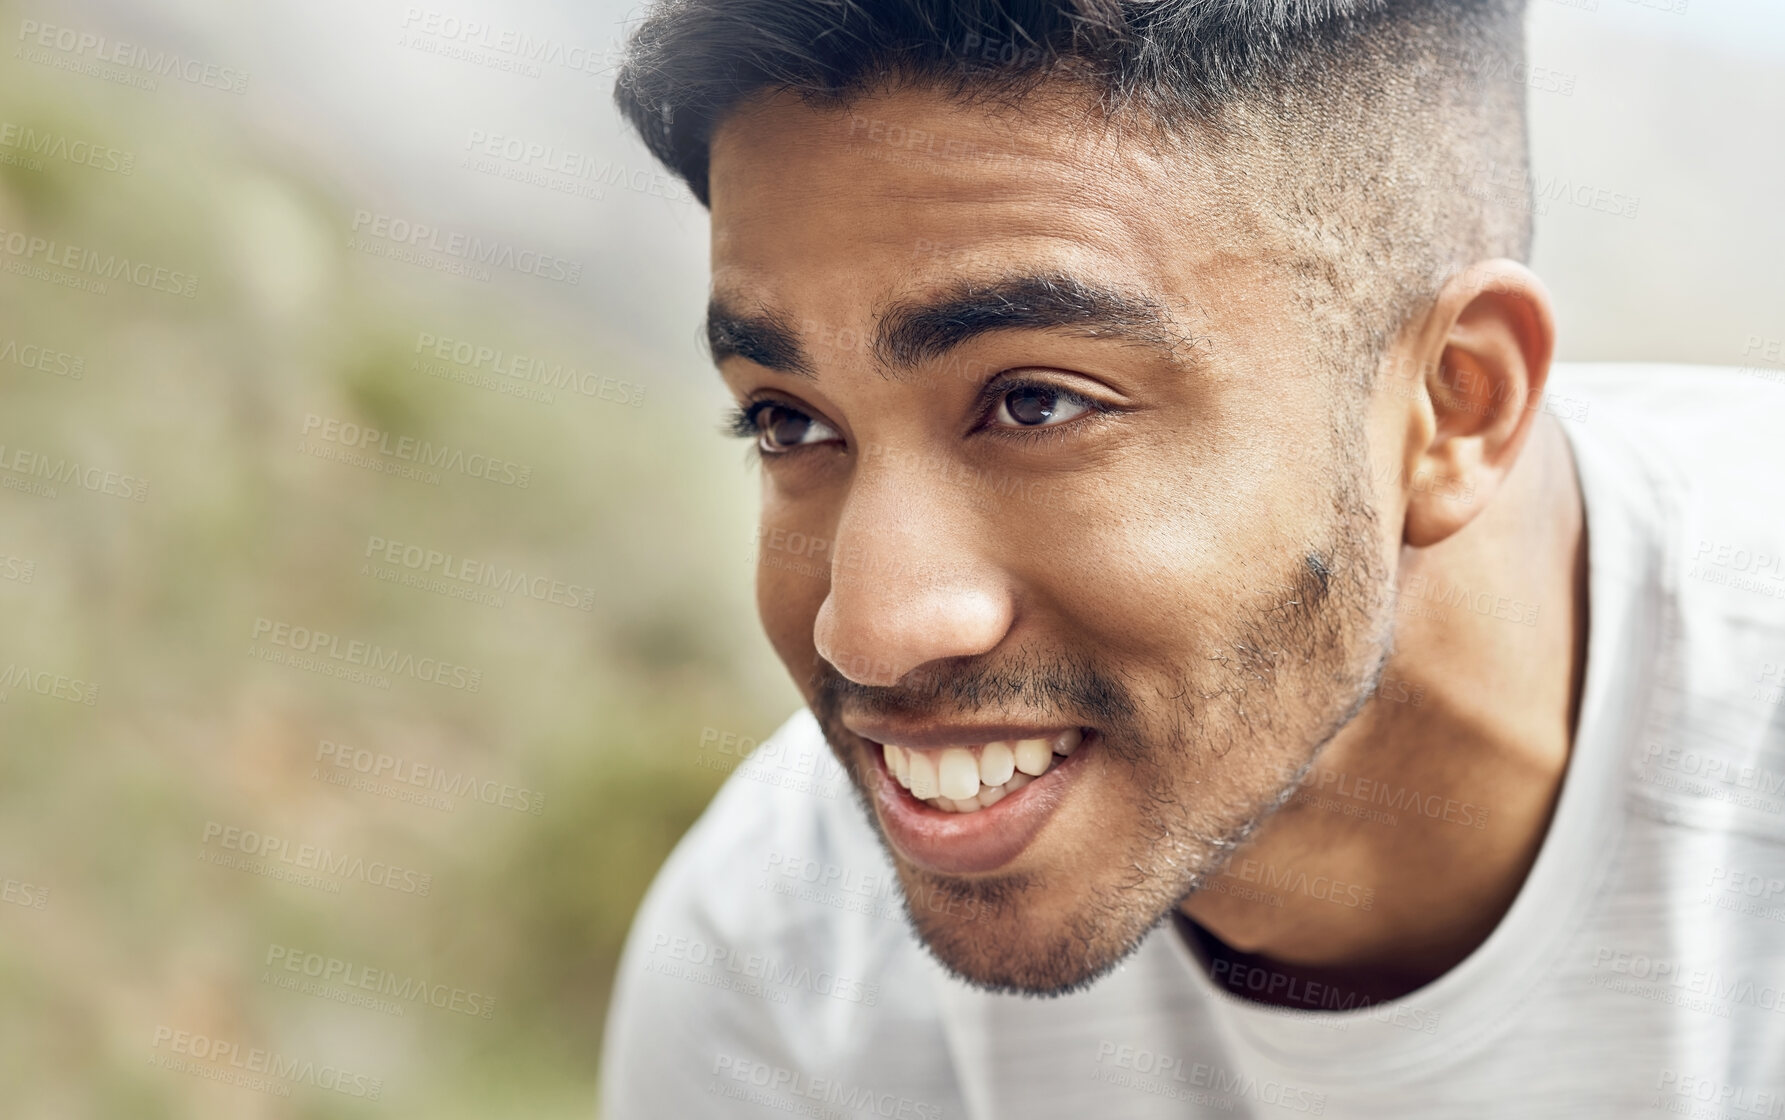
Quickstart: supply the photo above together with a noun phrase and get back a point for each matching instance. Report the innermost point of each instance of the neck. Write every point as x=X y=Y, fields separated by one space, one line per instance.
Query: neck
x=1420 y=820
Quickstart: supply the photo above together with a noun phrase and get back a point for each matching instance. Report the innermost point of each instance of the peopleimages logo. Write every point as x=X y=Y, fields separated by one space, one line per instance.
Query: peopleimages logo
x=1672 y=981
x=782 y=1089
x=408 y=780
x=1313 y=995
x=1322 y=888
x=724 y=967
x=1399 y=798
x=1706 y=1090
x=41 y=473
x=302 y=640
x=59 y=471
x=429 y=566
x=502 y=48
x=474 y=250
x=519 y=375
x=17 y=568
x=1743 y=569
x=44 y=359
x=1715 y=768
x=20 y=893
x=54 y=685
x=1773 y=692
x=1419 y=589
x=277 y=1066
x=565 y=170
x=79 y=48
x=306 y=857
x=38 y=146
x=1146 y=1071
x=415 y=452
x=29 y=249
x=332 y=970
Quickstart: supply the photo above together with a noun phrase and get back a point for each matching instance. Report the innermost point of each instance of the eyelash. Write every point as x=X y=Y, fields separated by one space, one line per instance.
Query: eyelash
x=740 y=421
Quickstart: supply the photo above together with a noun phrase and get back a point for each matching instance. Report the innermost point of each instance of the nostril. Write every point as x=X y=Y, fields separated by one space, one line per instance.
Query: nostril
x=876 y=633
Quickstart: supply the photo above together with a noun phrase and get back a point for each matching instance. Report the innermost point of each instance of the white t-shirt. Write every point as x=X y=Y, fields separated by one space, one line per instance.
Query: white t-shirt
x=1640 y=971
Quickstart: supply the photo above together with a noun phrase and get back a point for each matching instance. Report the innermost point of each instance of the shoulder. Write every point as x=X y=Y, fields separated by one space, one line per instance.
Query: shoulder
x=1702 y=450
x=771 y=947
x=786 y=818
x=1716 y=426
x=1696 y=454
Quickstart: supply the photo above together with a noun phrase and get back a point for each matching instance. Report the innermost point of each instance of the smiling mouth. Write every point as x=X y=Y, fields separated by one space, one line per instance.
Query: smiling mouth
x=1006 y=792
x=968 y=779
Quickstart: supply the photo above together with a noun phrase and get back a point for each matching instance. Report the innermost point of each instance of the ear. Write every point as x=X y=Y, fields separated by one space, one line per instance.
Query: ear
x=1486 y=347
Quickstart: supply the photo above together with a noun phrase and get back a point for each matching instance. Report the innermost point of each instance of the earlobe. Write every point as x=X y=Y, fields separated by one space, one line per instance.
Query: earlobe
x=1490 y=337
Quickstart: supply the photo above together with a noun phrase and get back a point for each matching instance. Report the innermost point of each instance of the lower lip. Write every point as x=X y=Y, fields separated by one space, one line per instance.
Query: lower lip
x=976 y=842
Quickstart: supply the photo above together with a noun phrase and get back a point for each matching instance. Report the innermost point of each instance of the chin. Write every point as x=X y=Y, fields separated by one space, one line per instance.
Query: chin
x=1013 y=935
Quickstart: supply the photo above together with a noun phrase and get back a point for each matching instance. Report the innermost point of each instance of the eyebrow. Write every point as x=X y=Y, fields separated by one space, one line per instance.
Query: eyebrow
x=911 y=333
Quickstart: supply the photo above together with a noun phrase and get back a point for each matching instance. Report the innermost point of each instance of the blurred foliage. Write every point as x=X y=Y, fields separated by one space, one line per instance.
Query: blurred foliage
x=106 y=805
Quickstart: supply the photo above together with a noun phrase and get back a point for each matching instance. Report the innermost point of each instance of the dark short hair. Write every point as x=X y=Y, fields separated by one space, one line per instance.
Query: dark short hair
x=1385 y=138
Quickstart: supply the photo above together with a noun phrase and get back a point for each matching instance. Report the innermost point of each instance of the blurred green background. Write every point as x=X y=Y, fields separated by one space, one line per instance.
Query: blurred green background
x=140 y=976
x=638 y=509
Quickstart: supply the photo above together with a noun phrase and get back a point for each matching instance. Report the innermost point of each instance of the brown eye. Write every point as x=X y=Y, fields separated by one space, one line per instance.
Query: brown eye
x=782 y=428
x=1032 y=406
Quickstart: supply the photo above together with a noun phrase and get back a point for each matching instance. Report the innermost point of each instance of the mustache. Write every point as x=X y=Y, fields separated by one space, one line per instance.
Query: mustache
x=1053 y=686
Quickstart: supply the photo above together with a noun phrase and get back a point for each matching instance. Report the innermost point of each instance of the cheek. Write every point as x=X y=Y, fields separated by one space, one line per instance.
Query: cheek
x=1168 y=554
x=792 y=578
x=1386 y=463
x=788 y=602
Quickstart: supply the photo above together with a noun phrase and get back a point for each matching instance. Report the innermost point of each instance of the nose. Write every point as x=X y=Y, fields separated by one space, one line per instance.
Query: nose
x=913 y=579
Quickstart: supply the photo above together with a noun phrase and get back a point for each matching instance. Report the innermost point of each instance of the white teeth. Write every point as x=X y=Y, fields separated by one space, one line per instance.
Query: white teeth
x=957 y=774
x=897 y=765
x=1033 y=756
x=996 y=764
x=967 y=779
x=923 y=776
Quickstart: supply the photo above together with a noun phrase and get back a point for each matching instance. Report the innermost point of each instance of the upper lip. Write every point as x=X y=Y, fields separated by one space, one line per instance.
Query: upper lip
x=937 y=736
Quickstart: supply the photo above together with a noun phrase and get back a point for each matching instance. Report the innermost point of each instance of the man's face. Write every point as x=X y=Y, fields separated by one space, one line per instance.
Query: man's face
x=1048 y=452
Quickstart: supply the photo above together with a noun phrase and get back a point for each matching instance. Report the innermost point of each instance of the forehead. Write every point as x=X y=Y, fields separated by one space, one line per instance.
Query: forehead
x=898 y=186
